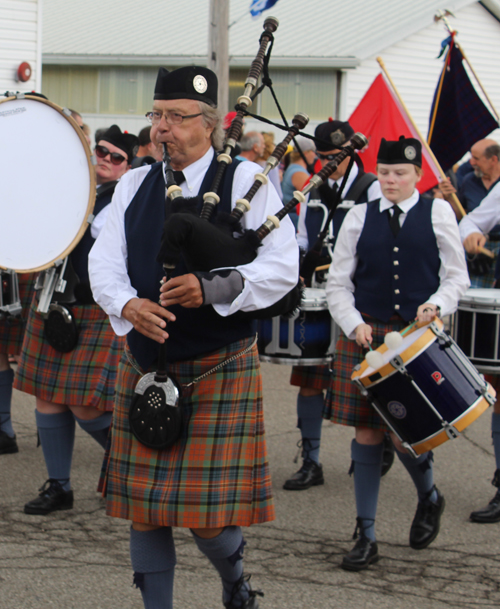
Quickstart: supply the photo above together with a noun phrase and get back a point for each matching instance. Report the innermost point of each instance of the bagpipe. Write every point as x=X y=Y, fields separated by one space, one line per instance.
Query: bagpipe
x=205 y=244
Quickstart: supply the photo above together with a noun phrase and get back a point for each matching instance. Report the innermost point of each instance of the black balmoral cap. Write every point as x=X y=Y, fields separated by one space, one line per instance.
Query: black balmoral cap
x=405 y=150
x=333 y=134
x=124 y=141
x=191 y=82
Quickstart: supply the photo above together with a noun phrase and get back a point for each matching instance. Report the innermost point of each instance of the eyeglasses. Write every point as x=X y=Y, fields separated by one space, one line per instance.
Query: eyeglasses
x=328 y=157
x=102 y=152
x=171 y=118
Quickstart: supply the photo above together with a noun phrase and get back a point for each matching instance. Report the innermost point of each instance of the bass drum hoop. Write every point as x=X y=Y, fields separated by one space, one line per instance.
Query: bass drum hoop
x=92 y=189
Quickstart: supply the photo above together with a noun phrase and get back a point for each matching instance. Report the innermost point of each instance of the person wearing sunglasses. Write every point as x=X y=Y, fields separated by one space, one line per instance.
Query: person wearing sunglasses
x=75 y=384
x=314 y=380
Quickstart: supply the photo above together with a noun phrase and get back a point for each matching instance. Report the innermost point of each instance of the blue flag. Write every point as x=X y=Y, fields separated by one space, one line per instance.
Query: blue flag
x=259 y=6
x=461 y=118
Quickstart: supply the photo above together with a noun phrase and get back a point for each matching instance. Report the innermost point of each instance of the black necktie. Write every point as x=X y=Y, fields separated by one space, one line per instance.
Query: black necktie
x=394 y=219
x=179 y=177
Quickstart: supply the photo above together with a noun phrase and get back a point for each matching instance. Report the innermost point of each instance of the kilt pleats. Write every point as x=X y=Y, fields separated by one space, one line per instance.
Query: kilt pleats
x=217 y=473
x=312 y=377
x=84 y=377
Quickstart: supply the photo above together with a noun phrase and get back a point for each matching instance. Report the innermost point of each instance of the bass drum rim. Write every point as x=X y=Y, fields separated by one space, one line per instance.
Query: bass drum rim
x=92 y=191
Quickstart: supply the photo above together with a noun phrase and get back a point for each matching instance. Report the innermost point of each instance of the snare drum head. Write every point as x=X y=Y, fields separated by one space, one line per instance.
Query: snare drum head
x=481 y=295
x=47 y=188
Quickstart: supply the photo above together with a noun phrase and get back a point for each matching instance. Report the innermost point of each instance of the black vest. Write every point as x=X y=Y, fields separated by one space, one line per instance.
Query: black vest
x=79 y=257
x=396 y=274
x=316 y=216
x=196 y=331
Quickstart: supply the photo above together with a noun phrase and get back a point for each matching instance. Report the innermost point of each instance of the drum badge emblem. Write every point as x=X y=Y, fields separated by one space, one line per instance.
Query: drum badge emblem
x=438 y=377
x=200 y=83
x=410 y=153
x=397 y=410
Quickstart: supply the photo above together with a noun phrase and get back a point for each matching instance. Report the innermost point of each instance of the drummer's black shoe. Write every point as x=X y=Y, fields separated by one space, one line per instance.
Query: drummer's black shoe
x=52 y=498
x=8 y=445
x=364 y=553
x=425 y=525
x=387 y=455
x=310 y=474
x=251 y=602
x=490 y=513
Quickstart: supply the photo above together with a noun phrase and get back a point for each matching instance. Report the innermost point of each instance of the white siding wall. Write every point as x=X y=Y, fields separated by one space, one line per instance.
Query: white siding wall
x=19 y=41
x=414 y=68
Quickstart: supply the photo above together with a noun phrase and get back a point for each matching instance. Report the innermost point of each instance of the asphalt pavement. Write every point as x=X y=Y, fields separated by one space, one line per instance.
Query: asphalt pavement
x=79 y=559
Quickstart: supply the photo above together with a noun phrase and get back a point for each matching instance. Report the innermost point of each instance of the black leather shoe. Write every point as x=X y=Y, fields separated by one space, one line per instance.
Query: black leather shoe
x=310 y=474
x=387 y=455
x=425 y=525
x=490 y=513
x=364 y=553
x=251 y=602
x=8 y=445
x=52 y=498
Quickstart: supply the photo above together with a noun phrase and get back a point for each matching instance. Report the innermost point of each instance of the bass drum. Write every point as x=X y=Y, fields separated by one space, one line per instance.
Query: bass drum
x=48 y=184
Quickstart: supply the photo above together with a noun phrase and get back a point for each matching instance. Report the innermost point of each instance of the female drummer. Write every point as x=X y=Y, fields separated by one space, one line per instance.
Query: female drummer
x=396 y=259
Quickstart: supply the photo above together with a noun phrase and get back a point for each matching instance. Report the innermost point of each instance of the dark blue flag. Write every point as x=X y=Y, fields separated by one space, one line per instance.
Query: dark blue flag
x=461 y=118
x=259 y=6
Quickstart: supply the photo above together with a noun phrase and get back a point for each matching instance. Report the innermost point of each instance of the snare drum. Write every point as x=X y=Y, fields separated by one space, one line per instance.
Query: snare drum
x=476 y=328
x=427 y=391
x=47 y=188
x=307 y=338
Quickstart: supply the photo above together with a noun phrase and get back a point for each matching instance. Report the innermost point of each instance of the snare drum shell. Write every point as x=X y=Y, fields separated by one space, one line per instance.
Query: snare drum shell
x=476 y=328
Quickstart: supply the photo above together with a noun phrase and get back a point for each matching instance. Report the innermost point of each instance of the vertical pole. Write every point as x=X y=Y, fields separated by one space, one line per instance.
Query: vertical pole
x=218 y=48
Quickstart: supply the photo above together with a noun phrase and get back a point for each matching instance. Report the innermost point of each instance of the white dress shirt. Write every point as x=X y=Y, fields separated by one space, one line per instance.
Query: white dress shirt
x=453 y=276
x=373 y=193
x=272 y=274
x=484 y=217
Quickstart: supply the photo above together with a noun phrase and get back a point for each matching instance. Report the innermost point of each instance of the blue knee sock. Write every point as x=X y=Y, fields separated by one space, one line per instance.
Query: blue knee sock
x=57 y=437
x=152 y=554
x=495 y=432
x=225 y=552
x=6 y=380
x=367 y=461
x=310 y=414
x=421 y=472
x=98 y=428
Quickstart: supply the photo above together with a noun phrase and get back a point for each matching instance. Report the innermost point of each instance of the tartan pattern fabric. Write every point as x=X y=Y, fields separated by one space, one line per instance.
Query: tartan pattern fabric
x=344 y=403
x=217 y=473
x=486 y=281
x=12 y=328
x=84 y=377
x=312 y=377
x=461 y=118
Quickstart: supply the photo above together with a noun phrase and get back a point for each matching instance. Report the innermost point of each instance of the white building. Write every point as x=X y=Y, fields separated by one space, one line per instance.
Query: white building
x=101 y=56
x=20 y=44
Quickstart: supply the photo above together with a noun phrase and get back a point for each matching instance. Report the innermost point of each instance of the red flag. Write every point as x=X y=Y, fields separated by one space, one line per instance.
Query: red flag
x=380 y=114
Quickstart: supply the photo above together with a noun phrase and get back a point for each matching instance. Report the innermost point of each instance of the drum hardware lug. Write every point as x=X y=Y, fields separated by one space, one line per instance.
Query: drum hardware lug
x=52 y=279
x=398 y=363
x=487 y=396
x=12 y=308
x=443 y=338
x=360 y=385
x=15 y=94
x=409 y=448
x=450 y=430
x=90 y=218
x=67 y=111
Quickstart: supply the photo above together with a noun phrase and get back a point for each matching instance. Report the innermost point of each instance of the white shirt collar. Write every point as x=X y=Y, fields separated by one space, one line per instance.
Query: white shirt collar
x=350 y=180
x=405 y=205
x=195 y=172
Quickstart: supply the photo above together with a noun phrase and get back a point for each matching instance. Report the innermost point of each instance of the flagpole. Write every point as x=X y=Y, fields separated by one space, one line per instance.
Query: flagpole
x=441 y=15
x=438 y=97
x=456 y=202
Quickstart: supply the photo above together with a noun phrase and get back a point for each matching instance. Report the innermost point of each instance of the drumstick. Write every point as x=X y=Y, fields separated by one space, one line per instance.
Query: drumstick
x=322 y=268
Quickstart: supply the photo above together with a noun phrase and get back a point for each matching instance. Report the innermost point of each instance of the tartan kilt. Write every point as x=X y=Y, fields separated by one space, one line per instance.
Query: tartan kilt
x=486 y=281
x=344 y=403
x=12 y=328
x=85 y=376
x=312 y=377
x=216 y=474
